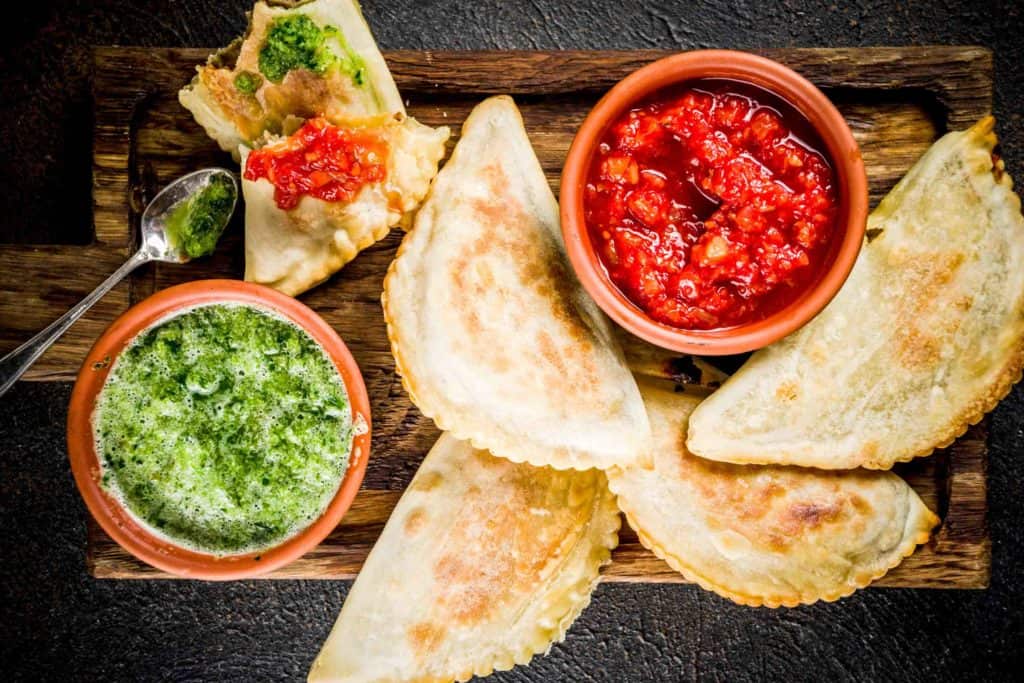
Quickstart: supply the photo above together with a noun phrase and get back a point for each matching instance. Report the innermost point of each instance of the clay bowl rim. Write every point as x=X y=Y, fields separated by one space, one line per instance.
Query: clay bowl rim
x=834 y=133
x=112 y=515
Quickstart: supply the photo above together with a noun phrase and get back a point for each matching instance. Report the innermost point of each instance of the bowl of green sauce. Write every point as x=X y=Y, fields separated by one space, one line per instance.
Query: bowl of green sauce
x=219 y=430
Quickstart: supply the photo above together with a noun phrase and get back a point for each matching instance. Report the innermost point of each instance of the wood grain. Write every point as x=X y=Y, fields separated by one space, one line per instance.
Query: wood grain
x=897 y=101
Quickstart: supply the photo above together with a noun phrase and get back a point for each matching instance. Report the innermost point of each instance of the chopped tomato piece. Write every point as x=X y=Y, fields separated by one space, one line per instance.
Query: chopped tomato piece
x=320 y=160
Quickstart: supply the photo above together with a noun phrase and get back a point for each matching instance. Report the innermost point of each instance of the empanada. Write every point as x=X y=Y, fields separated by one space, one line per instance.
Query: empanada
x=494 y=337
x=296 y=248
x=314 y=62
x=246 y=90
x=764 y=535
x=925 y=337
x=483 y=564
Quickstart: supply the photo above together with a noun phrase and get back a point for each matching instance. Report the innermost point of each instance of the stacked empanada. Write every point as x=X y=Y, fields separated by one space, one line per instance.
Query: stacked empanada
x=764 y=535
x=483 y=564
x=487 y=560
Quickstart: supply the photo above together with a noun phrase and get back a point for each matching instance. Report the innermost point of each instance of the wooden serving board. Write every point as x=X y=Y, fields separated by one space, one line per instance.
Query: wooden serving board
x=897 y=101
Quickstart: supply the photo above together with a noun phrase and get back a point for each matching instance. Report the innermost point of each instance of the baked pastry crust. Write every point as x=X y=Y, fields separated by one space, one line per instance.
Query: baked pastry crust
x=233 y=118
x=483 y=564
x=765 y=535
x=492 y=334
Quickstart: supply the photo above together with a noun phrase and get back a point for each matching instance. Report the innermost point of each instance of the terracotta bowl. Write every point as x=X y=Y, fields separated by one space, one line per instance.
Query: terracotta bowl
x=838 y=142
x=113 y=517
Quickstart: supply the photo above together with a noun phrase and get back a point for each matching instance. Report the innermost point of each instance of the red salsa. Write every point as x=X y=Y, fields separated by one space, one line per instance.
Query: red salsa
x=320 y=160
x=710 y=206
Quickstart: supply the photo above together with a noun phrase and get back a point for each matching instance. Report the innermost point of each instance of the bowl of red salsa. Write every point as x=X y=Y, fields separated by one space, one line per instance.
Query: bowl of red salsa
x=713 y=202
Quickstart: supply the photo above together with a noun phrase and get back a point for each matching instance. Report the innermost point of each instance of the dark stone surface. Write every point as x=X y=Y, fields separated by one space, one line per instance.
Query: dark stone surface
x=56 y=623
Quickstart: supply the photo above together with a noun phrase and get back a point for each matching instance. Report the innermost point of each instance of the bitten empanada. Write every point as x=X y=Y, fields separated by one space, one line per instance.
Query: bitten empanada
x=925 y=337
x=306 y=72
x=765 y=535
x=483 y=564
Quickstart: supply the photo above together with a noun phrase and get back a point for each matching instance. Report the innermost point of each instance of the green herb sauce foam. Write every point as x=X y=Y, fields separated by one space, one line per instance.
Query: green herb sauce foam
x=294 y=41
x=225 y=429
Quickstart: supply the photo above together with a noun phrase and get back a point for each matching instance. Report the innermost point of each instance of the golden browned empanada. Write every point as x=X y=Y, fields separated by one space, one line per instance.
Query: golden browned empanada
x=765 y=535
x=483 y=564
x=494 y=337
x=926 y=336
x=337 y=72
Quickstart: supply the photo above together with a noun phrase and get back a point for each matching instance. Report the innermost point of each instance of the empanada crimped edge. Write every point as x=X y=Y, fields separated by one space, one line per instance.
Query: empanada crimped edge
x=860 y=580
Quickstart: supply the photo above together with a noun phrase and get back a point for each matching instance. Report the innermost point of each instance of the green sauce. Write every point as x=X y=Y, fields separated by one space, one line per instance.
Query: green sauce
x=225 y=429
x=247 y=82
x=194 y=226
x=294 y=41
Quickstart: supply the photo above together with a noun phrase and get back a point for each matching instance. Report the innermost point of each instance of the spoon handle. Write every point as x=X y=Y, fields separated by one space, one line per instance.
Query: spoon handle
x=14 y=364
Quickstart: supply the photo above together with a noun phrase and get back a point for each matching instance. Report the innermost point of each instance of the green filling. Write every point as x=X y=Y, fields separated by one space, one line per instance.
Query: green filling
x=294 y=41
x=247 y=82
x=226 y=428
x=194 y=226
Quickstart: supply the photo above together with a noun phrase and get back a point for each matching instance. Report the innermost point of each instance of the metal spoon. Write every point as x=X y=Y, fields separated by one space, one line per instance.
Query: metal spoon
x=155 y=247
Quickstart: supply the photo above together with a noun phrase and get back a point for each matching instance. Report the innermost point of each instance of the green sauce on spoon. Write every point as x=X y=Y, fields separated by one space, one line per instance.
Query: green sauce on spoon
x=194 y=226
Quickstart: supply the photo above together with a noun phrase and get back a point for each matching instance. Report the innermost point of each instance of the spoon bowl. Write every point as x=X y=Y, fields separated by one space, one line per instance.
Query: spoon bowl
x=155 y=241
